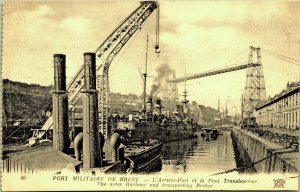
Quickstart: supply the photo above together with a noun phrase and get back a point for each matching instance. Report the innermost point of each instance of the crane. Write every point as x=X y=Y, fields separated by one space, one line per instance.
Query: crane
x=106 y=52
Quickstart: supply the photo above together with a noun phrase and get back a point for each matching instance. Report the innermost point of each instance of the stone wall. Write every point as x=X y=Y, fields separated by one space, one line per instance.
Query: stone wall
x=270 y=157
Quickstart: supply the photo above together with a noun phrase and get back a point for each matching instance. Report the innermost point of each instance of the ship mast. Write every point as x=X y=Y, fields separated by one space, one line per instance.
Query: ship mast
x=185 y=101
x=235 y=116
x=219 y=111
x=242 y=109
x=145 y=79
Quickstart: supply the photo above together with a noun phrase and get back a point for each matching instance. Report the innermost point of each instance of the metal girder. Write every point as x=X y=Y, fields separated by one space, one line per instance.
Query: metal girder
x=214 y=72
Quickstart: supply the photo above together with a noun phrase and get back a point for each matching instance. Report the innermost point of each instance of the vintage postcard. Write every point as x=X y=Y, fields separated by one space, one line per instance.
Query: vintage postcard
x=150 y=95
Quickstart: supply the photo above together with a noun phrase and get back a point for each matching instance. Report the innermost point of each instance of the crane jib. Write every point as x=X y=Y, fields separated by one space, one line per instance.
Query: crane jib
x=113 y=44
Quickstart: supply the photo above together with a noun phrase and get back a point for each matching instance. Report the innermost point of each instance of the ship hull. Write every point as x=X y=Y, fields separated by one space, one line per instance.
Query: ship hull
x=147 y=159
x=161 y=133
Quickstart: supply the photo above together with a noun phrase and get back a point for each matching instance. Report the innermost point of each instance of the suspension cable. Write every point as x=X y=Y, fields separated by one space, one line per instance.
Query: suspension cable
x=235 y=63
x=281 y=58
x=238 y=54
x=281 y=55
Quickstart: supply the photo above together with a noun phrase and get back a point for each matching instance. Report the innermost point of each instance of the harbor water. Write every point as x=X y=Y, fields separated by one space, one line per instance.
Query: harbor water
x=202 y=154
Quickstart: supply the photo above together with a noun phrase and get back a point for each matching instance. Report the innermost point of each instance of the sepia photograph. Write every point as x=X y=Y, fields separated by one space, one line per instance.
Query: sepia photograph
x=150 y=95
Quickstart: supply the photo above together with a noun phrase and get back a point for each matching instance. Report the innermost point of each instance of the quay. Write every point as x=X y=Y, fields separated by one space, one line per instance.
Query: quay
x=266 y=155
x=270 y=136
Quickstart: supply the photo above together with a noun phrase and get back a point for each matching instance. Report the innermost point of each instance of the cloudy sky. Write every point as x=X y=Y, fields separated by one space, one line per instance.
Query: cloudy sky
x=195 y=36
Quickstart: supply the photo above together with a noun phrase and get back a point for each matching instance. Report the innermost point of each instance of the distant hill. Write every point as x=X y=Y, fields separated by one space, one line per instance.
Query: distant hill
x=125 y=103
x=208 y=113
x=22 y=101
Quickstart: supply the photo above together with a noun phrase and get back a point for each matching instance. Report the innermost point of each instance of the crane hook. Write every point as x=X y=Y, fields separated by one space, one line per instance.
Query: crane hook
x=157 y=50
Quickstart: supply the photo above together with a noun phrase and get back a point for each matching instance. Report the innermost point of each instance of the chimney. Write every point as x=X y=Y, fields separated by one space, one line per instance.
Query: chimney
x=60 y=105
x=91 y=144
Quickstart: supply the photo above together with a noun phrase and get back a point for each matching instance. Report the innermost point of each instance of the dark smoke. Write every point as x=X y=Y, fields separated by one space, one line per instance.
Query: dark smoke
x=162 y=76
x=154 y=89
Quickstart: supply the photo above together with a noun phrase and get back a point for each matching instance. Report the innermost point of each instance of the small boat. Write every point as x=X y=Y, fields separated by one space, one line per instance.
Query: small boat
x=210 y=132
x=215 y=132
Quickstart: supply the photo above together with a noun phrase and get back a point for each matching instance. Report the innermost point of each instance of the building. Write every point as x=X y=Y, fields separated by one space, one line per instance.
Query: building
x=281 y=111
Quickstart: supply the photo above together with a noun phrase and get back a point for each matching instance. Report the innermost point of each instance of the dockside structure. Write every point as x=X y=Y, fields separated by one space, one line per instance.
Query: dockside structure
x=281 y=111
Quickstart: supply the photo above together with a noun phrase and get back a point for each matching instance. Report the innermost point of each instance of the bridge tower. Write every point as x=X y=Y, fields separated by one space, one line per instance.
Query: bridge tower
x=255 y=90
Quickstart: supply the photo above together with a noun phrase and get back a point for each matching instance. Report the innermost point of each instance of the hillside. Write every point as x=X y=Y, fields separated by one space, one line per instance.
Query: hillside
x=22 y=101
x=208 y=113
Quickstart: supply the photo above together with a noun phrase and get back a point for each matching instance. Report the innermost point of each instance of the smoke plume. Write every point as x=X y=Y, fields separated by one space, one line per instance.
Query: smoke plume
x=163 y=74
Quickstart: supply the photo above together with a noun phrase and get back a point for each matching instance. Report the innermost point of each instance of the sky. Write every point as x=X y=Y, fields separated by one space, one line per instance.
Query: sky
x=195 y=36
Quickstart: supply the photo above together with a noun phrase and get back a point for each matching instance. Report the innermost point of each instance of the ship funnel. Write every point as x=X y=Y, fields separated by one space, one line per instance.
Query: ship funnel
x=158 y=106
x=60 y=105
x=178 y=108
x=158 y=102
x=91 y=145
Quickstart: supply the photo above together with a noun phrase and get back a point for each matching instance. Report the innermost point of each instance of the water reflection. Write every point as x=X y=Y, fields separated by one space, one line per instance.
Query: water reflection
x=154 y=167
x=203 y=154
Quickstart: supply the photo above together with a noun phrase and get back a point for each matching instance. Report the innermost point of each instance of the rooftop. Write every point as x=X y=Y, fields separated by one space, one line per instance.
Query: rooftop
x=291 y=88
x=43 y=159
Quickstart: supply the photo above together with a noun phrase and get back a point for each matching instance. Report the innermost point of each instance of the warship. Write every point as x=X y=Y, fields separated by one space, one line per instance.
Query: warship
x=164 y=127
x=151 y=123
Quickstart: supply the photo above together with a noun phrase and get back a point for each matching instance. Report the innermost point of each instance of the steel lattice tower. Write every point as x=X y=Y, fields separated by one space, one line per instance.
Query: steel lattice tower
x=255 y=90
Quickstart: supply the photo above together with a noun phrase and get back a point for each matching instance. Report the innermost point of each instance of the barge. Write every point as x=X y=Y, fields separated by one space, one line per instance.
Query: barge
x=143 y=155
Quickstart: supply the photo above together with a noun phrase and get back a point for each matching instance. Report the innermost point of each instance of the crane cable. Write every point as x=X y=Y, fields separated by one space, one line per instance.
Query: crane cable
x=157 y=28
